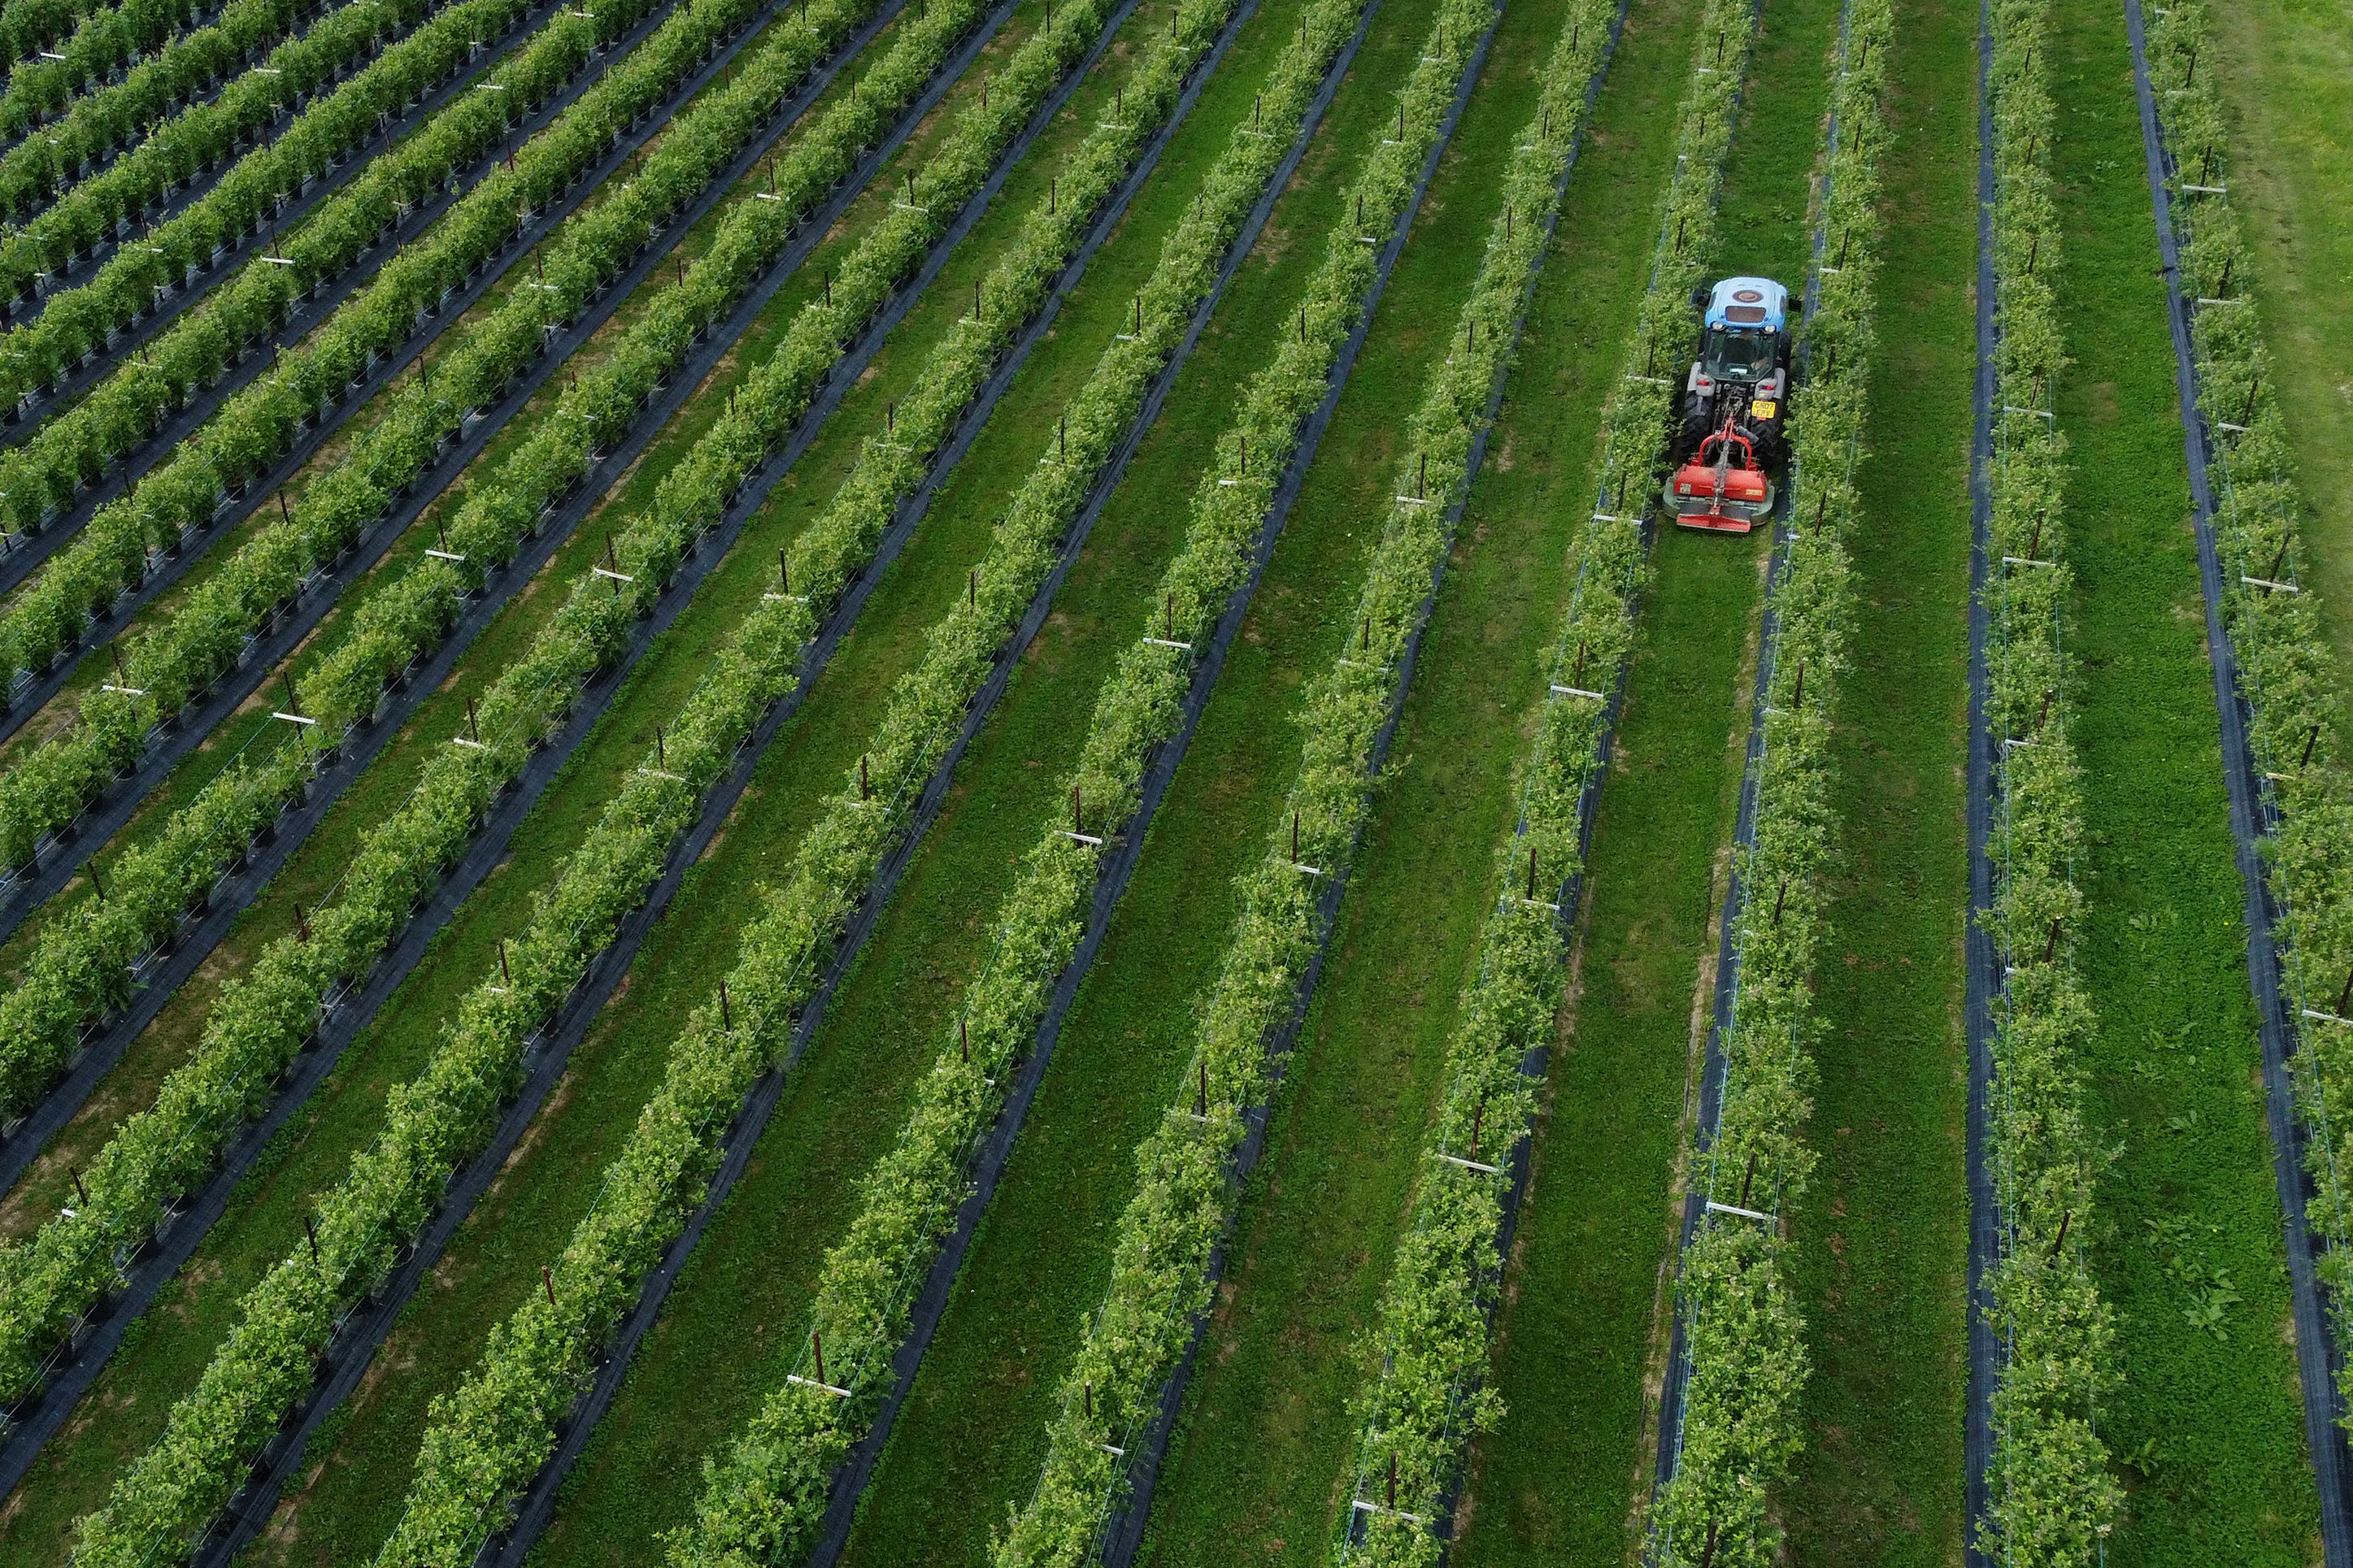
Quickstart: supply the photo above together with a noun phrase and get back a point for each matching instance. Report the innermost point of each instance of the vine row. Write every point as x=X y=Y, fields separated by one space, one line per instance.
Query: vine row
x=138 y=397
x=2051 y=1496
x=78 y=323
x=26 y=27
x=486 y=1440
x=767 y=1495
x=105 y=41
x=249 y=1038
x=397 y=623
x=177 y=78
x=2288 y=678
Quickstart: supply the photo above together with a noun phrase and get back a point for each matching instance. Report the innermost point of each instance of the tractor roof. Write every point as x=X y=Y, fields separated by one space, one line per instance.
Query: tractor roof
x=1749 y=302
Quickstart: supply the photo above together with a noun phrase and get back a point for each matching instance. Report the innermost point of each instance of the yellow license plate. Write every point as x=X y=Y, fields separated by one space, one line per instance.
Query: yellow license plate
x=1764 y=409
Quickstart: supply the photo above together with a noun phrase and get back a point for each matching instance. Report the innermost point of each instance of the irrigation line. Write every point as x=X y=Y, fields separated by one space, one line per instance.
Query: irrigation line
x=1122 y=1528
x=1117 y=868
x=2320 y=1360
x=17 y=422
x=1715 y=1066
x=1981 y=965
x=354 y=1347
x=17 y=560
x=170 y=740
x=359 y=747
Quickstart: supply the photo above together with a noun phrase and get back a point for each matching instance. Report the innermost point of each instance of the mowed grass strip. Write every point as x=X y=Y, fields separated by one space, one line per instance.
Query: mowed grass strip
x=968 y=1444
x=2287 y=78
x=165 y=1351
x=163 y=1047
x=2207 y=1425
x=1882 y=1235
x=1267 y=1430
x=1580 y=1337
x=731 y=1329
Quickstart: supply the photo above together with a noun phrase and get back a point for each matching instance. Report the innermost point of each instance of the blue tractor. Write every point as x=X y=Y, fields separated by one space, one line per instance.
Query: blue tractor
x=1730 y=446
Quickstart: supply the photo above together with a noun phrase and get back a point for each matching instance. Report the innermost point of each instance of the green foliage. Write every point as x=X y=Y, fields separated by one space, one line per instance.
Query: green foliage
x=2285 y=673
x=403 y=620
x=1432 y=1338
x=51 y=785
x=77 y=322
x=162 y=1153
x=46 y=74
x=1748 y=1362
x=27 y=26
x=1160 y=1254
x=2053 y=1496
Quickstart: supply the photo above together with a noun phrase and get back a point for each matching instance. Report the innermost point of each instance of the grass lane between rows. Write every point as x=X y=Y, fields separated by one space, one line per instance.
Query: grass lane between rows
x=2287 y=78
x=2206 y=1424
x=1883 y=1234
x=1581 y=1338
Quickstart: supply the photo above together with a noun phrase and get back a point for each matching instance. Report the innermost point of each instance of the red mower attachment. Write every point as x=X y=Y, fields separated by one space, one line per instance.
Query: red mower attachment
x=1722 y=489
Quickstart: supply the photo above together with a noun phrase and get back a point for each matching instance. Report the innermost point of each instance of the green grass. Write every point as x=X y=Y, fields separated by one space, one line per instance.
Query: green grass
x=1580 y=1337
x=2207 y=1423
x=310 y=871
x=2287 y=77
x=1883 y=1234
x=1256 y=1471
x=166 y=1350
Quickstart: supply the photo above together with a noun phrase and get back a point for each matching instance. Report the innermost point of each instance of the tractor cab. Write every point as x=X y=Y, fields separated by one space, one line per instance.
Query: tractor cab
x=1730 y=443
x=1745 y=332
